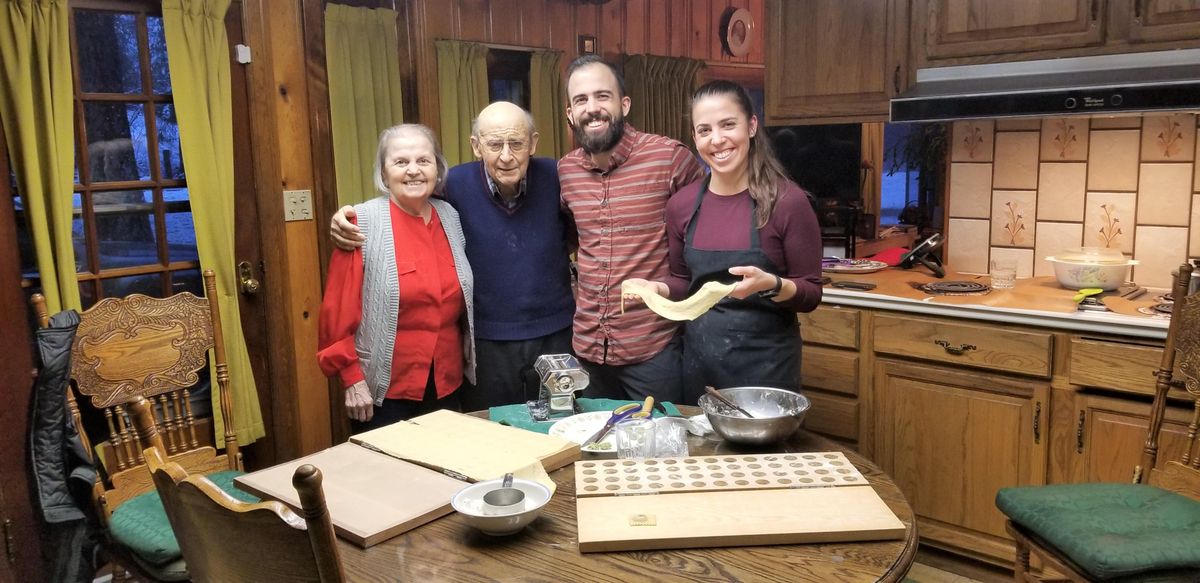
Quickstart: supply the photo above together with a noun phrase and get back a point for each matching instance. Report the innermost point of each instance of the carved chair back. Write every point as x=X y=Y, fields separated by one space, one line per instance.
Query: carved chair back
x=139 y=346
x=1180 y=475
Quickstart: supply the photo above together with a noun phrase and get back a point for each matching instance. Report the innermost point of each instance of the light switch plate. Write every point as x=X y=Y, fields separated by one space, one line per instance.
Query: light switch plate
x=297 y=205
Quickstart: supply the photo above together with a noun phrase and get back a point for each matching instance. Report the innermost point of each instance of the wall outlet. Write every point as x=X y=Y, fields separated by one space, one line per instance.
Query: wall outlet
x=297 y=205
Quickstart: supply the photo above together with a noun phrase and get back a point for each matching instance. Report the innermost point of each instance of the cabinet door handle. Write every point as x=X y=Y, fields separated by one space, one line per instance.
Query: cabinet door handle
x=1096 y=9
x=896 y=80
x=955 y=350
x=1079 y=432
x=1037 y=422
x=1137 y=10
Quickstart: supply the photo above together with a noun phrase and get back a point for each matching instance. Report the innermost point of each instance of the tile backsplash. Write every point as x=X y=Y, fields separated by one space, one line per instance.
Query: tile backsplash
x=1030 y=188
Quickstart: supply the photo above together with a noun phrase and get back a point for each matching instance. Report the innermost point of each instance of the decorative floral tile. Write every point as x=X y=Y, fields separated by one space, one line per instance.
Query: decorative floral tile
x=1109 y=220
x=1016 y=160
x=1164 y=194
x=967 y=240
x=1010 y=125
x=972 y=141
x=970 y=190
x=1065 y=139
x=1194 y=245
x=1023 y=258
x=1113 y=160
x=1168 y=137
x=1160 y=250
x=1120 y=122
x=1052 y=239
x=1061 y=190
x=1013 y=218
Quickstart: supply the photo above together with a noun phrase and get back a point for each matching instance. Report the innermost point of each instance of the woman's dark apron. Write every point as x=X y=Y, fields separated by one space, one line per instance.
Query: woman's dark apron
x=737 y=343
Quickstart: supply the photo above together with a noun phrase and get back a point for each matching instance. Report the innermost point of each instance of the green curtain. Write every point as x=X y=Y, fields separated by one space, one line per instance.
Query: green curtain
x=661 y=90
x=463 y=92
x=198 y=55
x=547 y=99
x=364 y=92
x=36 y=109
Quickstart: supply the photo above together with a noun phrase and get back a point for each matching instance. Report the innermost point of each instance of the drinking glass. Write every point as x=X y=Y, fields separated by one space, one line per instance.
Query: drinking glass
x=1004 y=273
x=635 y=437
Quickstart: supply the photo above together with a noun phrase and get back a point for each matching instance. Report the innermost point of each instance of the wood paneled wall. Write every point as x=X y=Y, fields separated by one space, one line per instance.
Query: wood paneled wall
x=677 y=28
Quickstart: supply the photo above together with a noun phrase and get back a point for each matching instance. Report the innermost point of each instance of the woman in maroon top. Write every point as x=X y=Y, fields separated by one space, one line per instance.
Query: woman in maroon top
x=746 y=223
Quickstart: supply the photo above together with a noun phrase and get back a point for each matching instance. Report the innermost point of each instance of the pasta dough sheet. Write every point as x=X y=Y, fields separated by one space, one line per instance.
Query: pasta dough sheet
x=689 y=309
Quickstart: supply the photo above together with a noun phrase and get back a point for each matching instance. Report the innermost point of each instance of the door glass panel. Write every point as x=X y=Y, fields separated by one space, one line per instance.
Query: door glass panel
x=108 y=52
x=118 y=287
x=87 y=293
x=159 y=72
x=181 y=232
x=187 y=280
x=78 y=237
x=116 y=137
x=125 y=228
x=168 y=142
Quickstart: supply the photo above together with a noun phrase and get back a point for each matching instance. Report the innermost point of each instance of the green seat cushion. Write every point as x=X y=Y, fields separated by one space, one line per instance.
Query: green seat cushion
x=1111 y=531
x=141 y=525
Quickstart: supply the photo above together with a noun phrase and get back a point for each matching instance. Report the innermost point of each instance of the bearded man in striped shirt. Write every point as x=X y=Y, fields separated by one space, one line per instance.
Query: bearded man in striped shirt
x=615 y=188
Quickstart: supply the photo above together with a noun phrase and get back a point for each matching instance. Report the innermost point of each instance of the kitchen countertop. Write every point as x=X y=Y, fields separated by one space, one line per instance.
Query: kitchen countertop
x=1038 y=301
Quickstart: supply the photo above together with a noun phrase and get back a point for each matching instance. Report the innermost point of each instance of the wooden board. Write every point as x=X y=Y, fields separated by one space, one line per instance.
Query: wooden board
x=468 y=447
x=371 y=496
x=715 y=473
x=734 y=518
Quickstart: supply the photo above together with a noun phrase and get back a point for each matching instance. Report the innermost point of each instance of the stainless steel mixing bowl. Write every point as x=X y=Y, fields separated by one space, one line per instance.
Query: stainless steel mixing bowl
x=777 y=414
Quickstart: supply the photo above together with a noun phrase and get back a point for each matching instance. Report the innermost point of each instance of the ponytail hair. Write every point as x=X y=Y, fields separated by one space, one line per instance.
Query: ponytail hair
x=765 y=172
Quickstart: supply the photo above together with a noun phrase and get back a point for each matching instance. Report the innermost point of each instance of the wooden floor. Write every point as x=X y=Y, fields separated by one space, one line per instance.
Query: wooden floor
x=935 y=566
x=922 y=573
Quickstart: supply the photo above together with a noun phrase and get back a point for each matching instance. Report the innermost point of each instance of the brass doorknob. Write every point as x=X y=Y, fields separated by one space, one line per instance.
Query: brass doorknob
x=250 y=286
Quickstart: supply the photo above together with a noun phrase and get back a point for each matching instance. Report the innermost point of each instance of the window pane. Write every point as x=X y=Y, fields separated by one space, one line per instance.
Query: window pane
x=108 y=52
x=168 y=142
x=159 y=72
x=116 y=136
x=125 y=228
x=181 y=232
x=119 y=287
x=87 y=293
x=187 y=280
x=78 y=237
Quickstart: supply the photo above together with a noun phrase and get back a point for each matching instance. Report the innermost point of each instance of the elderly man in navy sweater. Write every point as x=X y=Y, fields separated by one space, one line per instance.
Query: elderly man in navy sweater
x=517 y=236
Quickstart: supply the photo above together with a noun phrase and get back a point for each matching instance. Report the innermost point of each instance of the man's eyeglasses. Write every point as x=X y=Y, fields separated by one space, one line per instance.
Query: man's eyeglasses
x=514 y=146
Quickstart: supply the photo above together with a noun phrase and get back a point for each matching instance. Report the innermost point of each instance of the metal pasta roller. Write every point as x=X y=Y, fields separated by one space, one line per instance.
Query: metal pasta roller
x=560 y=376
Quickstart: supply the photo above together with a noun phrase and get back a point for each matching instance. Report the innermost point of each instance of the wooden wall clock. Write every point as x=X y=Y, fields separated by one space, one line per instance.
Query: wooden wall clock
x=736 y=28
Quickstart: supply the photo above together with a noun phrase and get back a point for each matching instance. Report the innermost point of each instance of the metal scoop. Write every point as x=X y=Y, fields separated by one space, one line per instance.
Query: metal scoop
x=505 y=495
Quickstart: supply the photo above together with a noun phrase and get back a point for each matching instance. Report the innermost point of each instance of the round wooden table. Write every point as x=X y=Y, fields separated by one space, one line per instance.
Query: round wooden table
x=447 y=549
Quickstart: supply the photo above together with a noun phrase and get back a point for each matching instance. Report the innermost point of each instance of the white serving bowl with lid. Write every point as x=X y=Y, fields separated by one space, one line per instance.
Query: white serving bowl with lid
x=1091 y=267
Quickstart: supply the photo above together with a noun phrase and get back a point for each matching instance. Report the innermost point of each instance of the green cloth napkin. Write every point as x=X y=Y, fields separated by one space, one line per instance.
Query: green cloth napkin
x=518 y=415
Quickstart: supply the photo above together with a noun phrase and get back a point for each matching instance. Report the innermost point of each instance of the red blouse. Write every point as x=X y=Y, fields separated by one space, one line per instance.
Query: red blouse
x=427 y=327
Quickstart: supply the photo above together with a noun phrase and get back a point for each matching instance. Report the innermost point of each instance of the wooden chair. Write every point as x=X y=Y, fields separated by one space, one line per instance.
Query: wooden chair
x=1148 y=530
x=226 y=540
x=134 y=347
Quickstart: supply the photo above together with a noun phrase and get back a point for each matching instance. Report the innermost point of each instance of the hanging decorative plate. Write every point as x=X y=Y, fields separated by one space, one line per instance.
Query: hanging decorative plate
x=736 y=31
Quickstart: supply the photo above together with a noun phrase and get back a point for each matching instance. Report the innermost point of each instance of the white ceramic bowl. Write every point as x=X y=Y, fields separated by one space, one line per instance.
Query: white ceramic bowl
x=496 y=521
x=1085 y=274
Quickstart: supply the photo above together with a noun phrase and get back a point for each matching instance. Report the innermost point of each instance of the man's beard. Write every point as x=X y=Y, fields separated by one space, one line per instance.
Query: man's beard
x=604 y=142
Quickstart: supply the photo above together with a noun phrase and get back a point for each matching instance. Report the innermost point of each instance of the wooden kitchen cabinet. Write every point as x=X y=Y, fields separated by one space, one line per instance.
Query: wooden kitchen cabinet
x=951 y=438
x=1110 y=433
x=964 y=32
x=829 y=372
x=834 y=61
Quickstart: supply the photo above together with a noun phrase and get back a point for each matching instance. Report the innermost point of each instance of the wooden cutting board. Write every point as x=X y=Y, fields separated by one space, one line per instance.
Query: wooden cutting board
x=371 y=496
x=468 y=447
x=727 y=500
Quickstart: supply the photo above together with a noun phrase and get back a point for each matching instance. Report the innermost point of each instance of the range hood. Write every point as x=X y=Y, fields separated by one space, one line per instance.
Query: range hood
x=1101 y=85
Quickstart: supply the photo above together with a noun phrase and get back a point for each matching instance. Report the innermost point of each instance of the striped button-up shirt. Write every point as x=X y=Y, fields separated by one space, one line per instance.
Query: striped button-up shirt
x=619 y=214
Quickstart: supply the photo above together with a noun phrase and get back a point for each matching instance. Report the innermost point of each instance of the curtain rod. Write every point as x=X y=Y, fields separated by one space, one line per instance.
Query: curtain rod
x=504 y=47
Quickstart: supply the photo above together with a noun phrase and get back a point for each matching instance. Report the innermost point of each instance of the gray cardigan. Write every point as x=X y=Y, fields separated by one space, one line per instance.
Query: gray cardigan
x=376 y=335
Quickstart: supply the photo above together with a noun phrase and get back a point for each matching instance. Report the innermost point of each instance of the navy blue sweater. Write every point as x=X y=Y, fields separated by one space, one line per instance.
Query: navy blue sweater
x=522 y=276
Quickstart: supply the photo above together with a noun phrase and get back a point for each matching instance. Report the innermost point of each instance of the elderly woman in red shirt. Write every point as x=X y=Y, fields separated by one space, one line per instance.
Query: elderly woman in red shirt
x=396 y=321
